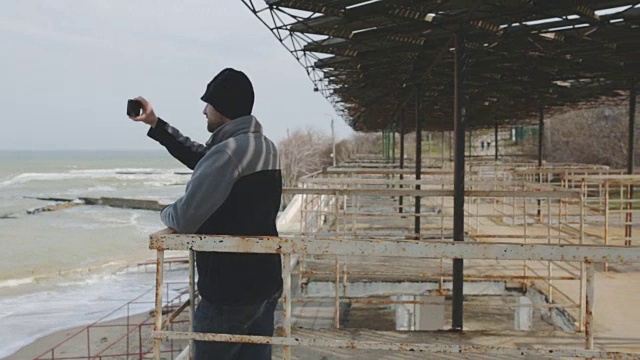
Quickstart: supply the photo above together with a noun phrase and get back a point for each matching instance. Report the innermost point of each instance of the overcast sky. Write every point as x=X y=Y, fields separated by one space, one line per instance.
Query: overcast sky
x=67 y=68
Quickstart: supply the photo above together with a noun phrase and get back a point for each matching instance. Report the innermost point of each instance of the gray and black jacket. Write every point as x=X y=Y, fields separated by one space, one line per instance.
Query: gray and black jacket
x=235 y=189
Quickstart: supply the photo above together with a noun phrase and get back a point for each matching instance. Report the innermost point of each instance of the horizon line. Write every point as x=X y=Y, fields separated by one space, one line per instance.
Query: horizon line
x=60 y=150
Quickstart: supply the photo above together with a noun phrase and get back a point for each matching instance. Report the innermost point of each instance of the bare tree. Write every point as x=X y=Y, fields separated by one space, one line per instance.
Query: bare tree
x=365 y=143
x=589 y=136
x=303 y=152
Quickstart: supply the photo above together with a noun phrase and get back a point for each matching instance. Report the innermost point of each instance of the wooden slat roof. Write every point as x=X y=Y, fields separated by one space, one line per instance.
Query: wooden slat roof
x=369 y=57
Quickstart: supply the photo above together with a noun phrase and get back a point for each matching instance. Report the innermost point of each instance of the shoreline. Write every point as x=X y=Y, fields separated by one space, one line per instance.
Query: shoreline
x=10 y=287
x=100 y=337
x=65 y=269
x=78 y=302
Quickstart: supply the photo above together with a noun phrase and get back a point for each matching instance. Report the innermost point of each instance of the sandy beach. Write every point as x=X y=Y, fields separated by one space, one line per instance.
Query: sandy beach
x=106 y=338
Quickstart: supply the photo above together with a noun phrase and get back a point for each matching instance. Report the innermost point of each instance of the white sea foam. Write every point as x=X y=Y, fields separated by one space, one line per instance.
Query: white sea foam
x=83 y=236
x=26 y=318
x=16 y=282
x=71 y=277
x=167 y=175
x=101 y=188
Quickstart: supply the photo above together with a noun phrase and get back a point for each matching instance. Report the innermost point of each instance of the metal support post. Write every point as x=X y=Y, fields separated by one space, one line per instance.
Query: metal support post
x=540 y=152
x=286 y=301
x=606 y=219
x=393 y=143
x=401 y=200
x=418 y=162
x=333 y=143
x=583 y=287
x=549 y=264
x=429 y=147
x=157 y=342
x=450 y=145
x=470 y=143
x=458 y=182
x=192 y=297
x=390 y=143
x=630 y=161
x=384 y=144
x=442 y=148
x=495 y=138
x=337 y=299
x=589 y=300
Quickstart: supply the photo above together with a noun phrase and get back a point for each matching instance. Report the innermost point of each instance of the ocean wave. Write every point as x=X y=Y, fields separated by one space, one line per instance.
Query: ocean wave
x=115 y=173
x=28 y=317
x=82 y=275
x=123 y=171
x=88 y=280
x=102 y=188
x=133 y=220
x=16 y=282
x=167 y=182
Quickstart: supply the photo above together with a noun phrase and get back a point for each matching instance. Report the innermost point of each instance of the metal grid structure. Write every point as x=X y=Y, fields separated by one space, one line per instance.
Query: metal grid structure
x=609 y=198
x=551 y=212
x=607 y=193
x=501 y=61
x=504 y=62
x=495 y=210
x=551 y=249
x=288 y=247
x=369 y=58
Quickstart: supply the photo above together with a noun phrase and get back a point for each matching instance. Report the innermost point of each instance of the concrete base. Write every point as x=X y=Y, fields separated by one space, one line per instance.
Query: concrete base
x=430 y=316
x=523 y=320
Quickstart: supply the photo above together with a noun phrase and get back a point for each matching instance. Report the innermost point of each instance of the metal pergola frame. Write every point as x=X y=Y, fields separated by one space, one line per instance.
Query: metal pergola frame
x=503 y=62
x=288 y=247
x=367 y=59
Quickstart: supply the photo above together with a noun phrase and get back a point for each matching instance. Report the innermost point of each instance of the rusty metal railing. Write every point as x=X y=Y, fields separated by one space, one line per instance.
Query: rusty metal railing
x=127 y=337
x=437 y=192
x=589 y=255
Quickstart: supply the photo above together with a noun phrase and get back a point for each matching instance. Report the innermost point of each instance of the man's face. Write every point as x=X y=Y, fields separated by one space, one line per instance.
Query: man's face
x=214 y=118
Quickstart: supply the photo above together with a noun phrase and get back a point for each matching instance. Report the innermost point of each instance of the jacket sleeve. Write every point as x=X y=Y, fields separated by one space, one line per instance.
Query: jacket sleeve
x=207 y=190
x=181 y=147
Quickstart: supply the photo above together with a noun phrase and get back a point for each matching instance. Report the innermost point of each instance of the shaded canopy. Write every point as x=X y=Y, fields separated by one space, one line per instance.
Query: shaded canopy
x=373 y=59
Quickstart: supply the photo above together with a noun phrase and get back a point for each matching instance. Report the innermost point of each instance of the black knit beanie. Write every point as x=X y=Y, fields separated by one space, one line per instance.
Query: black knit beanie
x=230 y=93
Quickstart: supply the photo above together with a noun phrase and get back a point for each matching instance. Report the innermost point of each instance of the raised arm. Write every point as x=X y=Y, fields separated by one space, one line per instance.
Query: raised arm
x=181 y=147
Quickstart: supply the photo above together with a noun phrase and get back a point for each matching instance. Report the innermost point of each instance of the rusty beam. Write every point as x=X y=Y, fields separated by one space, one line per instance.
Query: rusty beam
x=397 y=248
x=392 y=346
x=559 y=194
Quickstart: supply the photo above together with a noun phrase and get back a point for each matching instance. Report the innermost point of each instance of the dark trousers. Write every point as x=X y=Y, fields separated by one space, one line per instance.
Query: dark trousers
x=254 y=319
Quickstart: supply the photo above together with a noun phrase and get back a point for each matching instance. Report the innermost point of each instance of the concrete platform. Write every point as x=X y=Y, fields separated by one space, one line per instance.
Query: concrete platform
x=486 y=338
x=616 y=315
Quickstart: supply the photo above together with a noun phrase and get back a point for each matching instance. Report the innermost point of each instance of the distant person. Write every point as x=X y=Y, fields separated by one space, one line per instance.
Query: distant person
x=488 y=145
x=234 y=190
x=482 y=144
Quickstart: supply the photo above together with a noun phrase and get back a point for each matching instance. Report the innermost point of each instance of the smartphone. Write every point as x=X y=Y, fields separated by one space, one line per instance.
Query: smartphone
x=134 y=108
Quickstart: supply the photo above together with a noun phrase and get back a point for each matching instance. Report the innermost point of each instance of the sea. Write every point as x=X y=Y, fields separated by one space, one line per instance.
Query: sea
x=71 y=267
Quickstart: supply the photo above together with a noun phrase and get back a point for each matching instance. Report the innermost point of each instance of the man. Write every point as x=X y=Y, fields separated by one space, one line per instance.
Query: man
x=234 y=190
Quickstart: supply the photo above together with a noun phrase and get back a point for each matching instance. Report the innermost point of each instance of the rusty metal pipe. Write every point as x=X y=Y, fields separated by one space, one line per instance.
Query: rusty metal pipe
x=589 y=300
x=286 y=299
x=392 y=346
x=157 y=342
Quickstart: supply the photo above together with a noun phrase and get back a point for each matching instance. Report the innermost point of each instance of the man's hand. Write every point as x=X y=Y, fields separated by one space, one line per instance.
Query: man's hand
x=148 y=116
x=165 y=231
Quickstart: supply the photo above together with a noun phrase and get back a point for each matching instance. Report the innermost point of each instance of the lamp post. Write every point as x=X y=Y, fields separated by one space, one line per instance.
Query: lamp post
x=333 y=140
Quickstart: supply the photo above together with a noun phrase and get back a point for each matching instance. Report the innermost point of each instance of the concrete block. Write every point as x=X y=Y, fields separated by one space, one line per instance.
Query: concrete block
x=524 y=314
x=430 y=316
x=405 y=313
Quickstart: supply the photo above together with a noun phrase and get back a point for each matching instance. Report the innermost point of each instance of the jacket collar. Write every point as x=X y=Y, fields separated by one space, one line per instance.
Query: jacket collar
x=242 y=125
